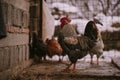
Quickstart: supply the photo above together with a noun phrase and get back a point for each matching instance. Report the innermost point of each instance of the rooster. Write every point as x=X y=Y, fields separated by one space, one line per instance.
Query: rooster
x=75 y=49
x=53 y=48
x=82 y=45
x=67 y=30
x=94 y=34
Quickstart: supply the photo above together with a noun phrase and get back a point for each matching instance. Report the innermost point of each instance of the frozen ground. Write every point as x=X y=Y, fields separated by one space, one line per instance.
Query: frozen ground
x=84 y=70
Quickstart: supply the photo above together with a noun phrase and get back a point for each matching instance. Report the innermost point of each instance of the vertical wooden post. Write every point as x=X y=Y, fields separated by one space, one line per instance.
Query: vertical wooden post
x=3 y=32
x=40 y=18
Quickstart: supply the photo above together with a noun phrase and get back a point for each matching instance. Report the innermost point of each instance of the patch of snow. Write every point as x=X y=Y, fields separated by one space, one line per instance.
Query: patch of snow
x=56 y=16
x=57 y=22
x=107 y=56
x=65 y=7
x=106 y=20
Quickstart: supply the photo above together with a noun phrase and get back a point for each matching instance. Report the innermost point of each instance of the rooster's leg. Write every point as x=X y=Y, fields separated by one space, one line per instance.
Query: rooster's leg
x=69 y=65
x=74 y=67
x=67 y=69
x=97 y=61
x=60 y=59
x=91 y=62
x=45 y=58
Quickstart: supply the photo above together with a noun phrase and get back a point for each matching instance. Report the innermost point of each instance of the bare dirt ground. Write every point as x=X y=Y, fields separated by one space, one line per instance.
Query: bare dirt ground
x=85 y=71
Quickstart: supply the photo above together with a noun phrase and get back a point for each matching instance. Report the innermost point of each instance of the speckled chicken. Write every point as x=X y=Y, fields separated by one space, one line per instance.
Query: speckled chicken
x=92 y=32
x=76 y=50
x=78 y=47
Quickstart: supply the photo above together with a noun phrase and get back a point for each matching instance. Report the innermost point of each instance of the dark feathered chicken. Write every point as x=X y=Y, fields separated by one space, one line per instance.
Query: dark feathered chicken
x=76 y=50
x=68 y=31
x=38 y=48
x=41 y=49
x=91 y=43
x=92 y=32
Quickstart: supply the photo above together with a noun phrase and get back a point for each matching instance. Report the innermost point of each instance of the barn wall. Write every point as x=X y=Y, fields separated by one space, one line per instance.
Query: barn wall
x=41 y=20
x=14 y=49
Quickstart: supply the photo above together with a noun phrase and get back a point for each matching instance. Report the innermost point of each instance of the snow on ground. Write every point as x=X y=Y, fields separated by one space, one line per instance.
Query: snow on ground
x=107 y=56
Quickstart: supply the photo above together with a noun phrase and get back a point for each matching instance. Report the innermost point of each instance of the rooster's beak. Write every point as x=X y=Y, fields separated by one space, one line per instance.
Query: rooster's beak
x=100 y=24
x=97 y=22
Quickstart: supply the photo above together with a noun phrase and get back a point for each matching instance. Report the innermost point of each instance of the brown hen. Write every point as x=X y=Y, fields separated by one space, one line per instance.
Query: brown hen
x=53 y=48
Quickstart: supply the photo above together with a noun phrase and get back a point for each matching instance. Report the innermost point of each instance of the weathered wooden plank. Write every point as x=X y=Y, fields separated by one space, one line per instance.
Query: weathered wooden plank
x=14 y=16
x=28 y=19
x=9 y=15
x=6 y=58
x=4 y=9
x=19 y=12
x=25 y=20
x=11 y=56
x=17 y=55
x=1 y=58
x=20 y=54
x=13 y=61
x=23 y=56
x=27 y=52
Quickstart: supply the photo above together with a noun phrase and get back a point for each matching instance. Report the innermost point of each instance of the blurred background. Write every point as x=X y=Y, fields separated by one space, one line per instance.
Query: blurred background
x=82 y=11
